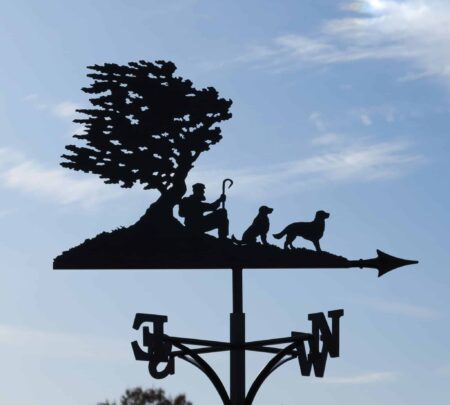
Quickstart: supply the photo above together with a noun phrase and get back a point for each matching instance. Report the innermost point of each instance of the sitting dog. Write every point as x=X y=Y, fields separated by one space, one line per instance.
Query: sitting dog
x=259 y=227
x=311 y=231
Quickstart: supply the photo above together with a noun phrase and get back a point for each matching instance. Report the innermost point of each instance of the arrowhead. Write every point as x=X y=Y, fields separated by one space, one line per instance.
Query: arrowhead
x=386 y=263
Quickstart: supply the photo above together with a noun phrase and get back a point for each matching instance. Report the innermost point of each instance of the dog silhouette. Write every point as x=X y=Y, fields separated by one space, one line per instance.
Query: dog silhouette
x=259 y=227
x=311 y=231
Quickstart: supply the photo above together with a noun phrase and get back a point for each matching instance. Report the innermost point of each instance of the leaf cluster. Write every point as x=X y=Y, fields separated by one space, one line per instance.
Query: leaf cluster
x=145 y=125
x=138 y=396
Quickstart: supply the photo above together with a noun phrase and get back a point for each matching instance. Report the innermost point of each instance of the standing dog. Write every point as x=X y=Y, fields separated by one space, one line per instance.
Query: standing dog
x=311 y=231
x=259 y=227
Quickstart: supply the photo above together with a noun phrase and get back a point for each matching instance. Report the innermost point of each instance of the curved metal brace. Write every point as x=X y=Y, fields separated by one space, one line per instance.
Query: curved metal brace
x=284 y=361
x=271 y=366
x=191 y=361
x=207 y=369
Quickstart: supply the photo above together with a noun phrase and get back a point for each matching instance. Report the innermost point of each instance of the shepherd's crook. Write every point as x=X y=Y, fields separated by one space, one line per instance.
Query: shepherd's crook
x=223 y=188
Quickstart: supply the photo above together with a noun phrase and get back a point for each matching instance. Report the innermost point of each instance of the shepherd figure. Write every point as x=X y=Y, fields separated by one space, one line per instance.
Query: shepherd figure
x=194 y=207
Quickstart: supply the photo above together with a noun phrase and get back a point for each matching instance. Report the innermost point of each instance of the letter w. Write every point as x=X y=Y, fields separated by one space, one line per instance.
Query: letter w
x=317 y=358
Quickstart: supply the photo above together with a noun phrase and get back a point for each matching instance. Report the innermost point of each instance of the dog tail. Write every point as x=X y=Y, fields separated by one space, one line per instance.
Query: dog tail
x=236 y=241
x=280 y=235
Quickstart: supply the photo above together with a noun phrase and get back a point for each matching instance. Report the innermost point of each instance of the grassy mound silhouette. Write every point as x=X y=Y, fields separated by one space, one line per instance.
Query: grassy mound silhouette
x=143 y=246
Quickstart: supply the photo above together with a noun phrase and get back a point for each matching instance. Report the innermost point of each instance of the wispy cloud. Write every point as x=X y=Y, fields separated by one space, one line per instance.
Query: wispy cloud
x=360 y=163
x=367 y=378
x=32 y=342
x=326 y=139
x=367 y=115
x=365 y=119
x=65 y=109
x=318 y=121
x=415 y=31
x=35 y=101
x=403 y=309
x=55 y=184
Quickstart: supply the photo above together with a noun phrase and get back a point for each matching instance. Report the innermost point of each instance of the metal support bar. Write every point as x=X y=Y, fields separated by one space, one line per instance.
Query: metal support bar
x=272 y=365
x=203 y=350
x=207 y=369
x=160 y=351
x=273 y=350
x=238 y=301
x=298 y=336
x=198 y=342
x=237 y=340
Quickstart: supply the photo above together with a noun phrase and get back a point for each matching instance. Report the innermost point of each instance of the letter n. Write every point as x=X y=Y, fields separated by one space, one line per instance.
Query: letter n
x=321 y=331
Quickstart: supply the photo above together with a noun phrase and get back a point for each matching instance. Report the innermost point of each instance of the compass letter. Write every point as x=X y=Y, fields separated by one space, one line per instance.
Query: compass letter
x=158 y=349
x=317 y=358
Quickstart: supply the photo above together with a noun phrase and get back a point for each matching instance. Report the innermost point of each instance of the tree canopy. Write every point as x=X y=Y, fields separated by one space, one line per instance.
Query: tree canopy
x=146 y=126
x=138 y=396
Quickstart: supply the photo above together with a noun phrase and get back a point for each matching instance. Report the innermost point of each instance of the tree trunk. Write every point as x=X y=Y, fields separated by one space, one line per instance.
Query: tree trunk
x=160 y=213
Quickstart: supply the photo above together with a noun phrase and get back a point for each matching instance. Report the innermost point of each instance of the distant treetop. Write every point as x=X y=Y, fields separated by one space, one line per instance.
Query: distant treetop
x=138 y=396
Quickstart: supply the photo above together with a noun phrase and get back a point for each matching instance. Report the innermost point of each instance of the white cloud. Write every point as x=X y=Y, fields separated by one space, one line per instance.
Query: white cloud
x=32 y=342
x=368 y=378
x=368 y=115
x=361 y=163
x=35 y=101
x=317 y=119
x=30 y=97
x=65 y=109
x=365 y=119
x=409 y=310
x=28 y=176
x=327 y=139
x=416 y=31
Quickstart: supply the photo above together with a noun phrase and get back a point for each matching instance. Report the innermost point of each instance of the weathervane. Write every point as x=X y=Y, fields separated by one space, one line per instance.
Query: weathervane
x=149 y=127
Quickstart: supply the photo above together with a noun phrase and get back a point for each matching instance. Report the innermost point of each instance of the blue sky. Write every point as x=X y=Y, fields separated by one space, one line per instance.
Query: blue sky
x=337 y=105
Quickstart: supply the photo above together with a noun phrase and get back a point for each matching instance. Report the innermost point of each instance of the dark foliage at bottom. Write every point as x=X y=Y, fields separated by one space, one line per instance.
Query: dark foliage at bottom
x=138 y=396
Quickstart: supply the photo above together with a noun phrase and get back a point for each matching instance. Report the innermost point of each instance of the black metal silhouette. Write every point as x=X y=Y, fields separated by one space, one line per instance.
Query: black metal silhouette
x=149 y=127
x=224 y=183
x=193 y=209
x=206 y=253
x=259 y=228
x=323 y=341
x=311 y=231
x=384 y=263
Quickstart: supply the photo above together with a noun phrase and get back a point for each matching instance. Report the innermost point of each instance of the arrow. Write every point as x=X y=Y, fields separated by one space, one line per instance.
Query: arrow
x=384 y=263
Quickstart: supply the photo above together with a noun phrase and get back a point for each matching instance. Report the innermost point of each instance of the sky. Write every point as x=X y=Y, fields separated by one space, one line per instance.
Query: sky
x=337 y=105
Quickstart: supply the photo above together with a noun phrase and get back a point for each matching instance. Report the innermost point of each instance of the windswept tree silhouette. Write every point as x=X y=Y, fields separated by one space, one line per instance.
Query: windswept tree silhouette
x=146 y=126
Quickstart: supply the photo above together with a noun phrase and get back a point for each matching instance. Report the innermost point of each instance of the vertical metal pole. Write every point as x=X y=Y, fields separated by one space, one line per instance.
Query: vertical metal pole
x=237 y=338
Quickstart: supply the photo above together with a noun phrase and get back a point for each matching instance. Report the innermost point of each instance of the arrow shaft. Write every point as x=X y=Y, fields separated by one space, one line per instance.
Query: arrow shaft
x=364 y=263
